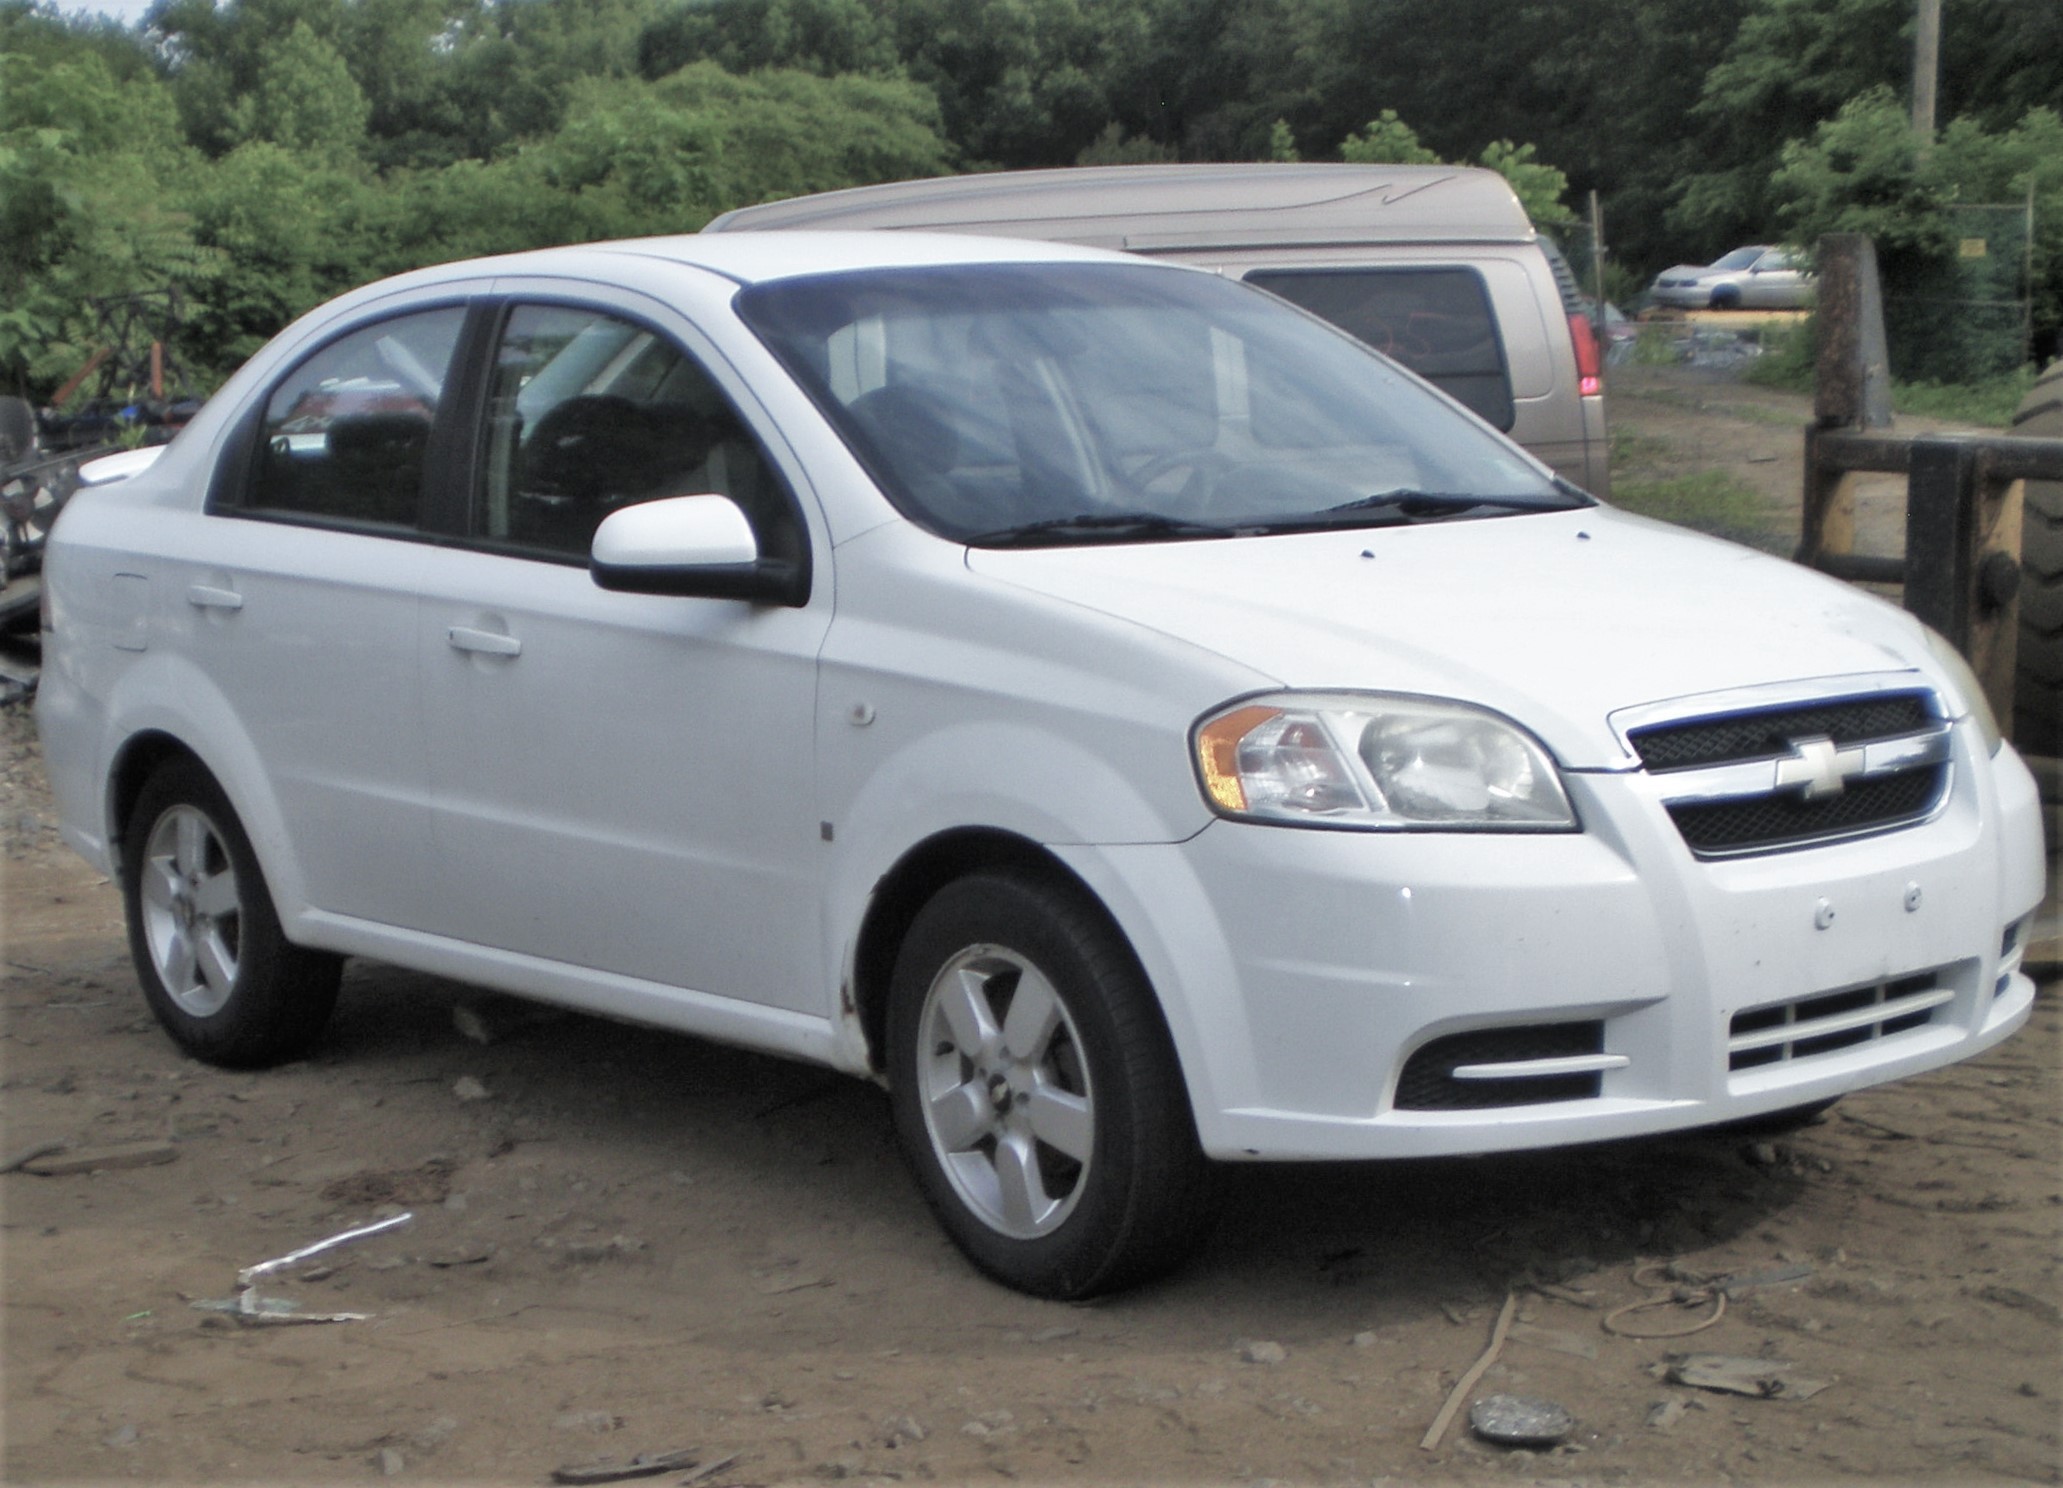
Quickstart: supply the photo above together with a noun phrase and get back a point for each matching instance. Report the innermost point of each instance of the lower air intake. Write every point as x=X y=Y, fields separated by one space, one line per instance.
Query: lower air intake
x=1492 y=1065
x=1784 y=1032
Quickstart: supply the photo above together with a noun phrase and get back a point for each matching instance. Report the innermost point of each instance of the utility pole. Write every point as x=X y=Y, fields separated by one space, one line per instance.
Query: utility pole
x=1926 y=70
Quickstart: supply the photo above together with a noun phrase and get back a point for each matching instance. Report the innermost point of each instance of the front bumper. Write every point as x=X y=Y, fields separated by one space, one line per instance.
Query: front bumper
x=1303 y=970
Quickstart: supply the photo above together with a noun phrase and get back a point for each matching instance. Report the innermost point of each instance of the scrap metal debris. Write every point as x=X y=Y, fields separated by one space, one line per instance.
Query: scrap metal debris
x=1558 y=1339
x=248 y=1277
x=1764 y=1379
x=55 y=1161
x=1513 y=1421
x=29 y=1154
x=1748 y=1281
x=1477 y=1370
x=644 y=1465
x=1669 y=1285
x=249 y=1306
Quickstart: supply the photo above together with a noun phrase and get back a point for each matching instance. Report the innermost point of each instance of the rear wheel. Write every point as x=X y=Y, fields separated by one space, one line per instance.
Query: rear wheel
x=214 y=964
x=2038 y=683
x=1036 y=1092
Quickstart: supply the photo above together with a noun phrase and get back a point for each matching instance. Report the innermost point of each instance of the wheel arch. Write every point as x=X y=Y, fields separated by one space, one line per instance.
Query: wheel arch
x=909 y=885
x=141 y=755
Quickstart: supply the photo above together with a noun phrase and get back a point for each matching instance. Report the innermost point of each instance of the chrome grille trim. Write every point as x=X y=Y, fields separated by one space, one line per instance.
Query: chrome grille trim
x=1761 y=698
x=1765 y=777
x=1521 y=1069
x=1771 y=769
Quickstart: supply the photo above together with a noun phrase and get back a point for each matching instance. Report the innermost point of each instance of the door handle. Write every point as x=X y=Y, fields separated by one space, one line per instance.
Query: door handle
x=485 y=642
x=208 y=597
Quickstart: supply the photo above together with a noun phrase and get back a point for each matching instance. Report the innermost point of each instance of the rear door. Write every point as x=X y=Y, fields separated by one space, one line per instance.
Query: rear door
x=299 y=607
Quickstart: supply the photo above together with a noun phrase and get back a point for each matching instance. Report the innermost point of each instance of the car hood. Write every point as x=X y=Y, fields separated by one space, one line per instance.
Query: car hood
x=1554 y=619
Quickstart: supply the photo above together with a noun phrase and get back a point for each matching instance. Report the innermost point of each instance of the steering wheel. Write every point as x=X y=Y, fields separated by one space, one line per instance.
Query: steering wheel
x=1206 y=468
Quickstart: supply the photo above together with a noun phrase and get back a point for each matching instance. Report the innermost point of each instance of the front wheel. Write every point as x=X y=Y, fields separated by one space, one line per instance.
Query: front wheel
x=1036 y=1092
x=215 y=967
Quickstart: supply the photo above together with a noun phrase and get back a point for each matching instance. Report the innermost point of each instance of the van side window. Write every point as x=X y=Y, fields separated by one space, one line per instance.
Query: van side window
x=1435 y=321
x=345 y=432
x=588 y=412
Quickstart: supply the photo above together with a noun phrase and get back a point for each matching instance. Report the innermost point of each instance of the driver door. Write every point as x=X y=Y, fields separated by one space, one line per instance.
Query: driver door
x=622 y=782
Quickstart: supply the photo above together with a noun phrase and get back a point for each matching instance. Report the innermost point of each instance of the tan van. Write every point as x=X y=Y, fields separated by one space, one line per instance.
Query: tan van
x=1437 y=266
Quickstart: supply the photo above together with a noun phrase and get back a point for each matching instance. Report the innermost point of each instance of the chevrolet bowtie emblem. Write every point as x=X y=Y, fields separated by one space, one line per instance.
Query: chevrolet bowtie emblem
x=1819 y=766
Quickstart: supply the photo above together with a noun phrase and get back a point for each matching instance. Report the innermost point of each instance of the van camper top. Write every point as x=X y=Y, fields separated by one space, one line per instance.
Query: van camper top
x=1173 y=208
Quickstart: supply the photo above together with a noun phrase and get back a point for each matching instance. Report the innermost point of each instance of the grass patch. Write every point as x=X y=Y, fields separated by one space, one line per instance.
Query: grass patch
x=1990 y=403
x=1788 y=353
x=1709 y=501
x=1787 y=358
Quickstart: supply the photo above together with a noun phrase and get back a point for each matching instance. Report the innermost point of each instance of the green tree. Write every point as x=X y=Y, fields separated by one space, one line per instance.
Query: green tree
x=90 y=171
x=304 y=99
x=826 y=37
x=1795 y=64
x=290 y=233
x=1540 y=187
x=1862 y=171
x=637 y=157
x=1386 y=140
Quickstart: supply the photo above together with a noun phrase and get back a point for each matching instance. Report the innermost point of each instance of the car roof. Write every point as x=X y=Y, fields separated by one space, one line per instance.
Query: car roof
x=1148 y=208
x=755 y=258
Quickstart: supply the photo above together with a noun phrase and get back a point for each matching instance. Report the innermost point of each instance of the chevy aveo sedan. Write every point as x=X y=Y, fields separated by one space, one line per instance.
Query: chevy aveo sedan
x=1759 y=278
x=1126 y=717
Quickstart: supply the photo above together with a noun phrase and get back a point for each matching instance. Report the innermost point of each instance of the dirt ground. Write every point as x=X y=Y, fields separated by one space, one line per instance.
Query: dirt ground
x=627 y=1242
x=1674 y=420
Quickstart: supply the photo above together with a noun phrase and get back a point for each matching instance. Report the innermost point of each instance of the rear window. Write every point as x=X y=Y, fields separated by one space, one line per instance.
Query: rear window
x=1437 y=322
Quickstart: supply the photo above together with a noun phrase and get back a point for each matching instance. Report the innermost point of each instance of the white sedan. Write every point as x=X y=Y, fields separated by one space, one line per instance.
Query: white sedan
x=1758 y=278
x=1126 y=717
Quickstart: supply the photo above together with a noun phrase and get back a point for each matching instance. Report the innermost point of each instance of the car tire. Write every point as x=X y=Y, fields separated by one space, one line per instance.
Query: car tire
x=2038 y=679
x=1726 y=297
x=1052 y=1137
x=215 y=966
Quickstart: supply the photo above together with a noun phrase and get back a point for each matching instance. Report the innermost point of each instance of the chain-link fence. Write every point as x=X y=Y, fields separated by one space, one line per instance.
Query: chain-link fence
x=1964 y=316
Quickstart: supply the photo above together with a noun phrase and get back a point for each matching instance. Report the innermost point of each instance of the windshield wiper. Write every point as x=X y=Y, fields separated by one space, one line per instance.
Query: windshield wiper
x=1442 y=503
x=1405 y=506
x=1107 y=526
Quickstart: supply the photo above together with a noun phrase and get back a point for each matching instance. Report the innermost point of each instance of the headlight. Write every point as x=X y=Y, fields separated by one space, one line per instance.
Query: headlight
x=1966 y=683
x=1377 y=762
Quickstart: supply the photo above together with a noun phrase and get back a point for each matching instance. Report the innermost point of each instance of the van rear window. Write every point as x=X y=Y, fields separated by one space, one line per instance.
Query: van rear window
x=1437 y=322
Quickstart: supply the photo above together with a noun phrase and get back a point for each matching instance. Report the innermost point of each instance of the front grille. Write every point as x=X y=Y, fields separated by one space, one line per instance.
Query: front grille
x=1768 y=734
x=1785 y=820
x=1429 y=1083
x=1765 y=779
x=1832 y=1021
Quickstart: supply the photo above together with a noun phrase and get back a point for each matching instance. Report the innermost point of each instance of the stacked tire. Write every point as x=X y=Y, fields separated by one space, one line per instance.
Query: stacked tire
x=2038 y=686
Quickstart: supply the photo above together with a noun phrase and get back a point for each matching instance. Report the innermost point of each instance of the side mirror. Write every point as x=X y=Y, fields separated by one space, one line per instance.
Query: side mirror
x=698 y=546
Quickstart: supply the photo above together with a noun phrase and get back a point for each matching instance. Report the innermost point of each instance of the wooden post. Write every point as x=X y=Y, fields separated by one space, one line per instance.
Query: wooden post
x=1851 y=386
x=1995 y=632
x=1926 y=70
x=1852 y=369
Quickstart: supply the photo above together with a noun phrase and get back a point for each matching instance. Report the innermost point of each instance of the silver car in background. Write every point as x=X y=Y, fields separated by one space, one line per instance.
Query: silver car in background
x=1755 y=278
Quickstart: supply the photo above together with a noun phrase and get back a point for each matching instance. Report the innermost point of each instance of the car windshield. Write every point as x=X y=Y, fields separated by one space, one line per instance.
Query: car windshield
x=1062 y=404
x=1740 y=258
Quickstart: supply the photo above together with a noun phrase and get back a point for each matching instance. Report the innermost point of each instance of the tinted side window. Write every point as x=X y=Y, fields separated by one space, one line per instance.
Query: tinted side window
x=588 y=412
x=1437 y=322
x=345 y=433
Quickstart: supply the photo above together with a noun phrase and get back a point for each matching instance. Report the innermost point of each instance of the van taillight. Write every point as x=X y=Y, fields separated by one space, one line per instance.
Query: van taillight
x=1589 y=370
